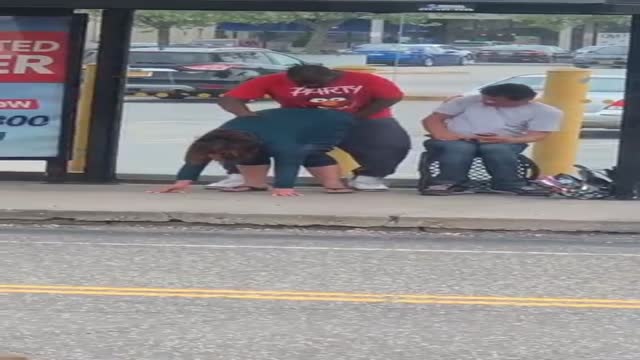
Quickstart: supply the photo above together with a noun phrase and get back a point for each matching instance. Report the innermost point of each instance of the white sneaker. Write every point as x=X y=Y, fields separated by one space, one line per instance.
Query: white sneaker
x=368 y=183
x=231 y=181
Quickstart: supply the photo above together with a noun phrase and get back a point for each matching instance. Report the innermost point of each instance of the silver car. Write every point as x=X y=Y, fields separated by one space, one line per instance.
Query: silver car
x=608 y=56
x=605 y=100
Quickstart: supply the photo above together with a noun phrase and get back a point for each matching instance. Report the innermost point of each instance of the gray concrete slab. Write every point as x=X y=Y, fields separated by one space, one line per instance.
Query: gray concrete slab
x=396 y=209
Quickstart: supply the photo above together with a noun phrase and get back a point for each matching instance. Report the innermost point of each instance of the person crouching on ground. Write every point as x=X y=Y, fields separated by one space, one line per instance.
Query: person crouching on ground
x=377 y=141
x=496 y=125
x=292 y=137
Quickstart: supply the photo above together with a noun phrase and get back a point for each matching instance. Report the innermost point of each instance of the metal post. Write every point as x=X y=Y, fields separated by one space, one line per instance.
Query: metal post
x=83 y=118
x=56 y=169
x=104 y=131
x=396 y=61
x=627 y=178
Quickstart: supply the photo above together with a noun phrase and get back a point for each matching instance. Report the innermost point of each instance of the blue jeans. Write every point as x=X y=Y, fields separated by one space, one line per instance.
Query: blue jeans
x=456 y=158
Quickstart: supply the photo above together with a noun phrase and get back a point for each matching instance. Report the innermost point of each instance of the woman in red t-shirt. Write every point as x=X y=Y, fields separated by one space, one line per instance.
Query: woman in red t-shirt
x=378 y=142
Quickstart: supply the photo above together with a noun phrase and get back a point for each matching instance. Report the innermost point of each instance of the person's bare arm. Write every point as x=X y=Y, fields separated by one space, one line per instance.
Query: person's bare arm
x=237 y=107
x=235 y=101
x=527 y=138
x=375 y=107
x=435 y=124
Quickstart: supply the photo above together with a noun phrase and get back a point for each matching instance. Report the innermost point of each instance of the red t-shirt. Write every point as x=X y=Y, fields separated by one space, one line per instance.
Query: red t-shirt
x=350 y=92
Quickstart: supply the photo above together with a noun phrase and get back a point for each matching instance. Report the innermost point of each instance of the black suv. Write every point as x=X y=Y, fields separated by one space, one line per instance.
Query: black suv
x=180 y=72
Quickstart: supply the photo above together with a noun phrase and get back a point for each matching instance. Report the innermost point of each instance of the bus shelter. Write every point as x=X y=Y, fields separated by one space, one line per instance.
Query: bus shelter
x=117 y=24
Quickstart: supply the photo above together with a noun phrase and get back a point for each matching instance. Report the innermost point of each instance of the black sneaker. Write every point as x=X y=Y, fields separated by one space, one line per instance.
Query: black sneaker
x=526 y=190
x=445 y=190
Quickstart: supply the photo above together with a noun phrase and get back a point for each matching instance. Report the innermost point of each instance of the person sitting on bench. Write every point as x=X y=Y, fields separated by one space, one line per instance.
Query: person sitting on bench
x=496 y=126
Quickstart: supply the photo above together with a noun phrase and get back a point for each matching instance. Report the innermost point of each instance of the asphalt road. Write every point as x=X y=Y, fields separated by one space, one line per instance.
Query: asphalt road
x=316 y=295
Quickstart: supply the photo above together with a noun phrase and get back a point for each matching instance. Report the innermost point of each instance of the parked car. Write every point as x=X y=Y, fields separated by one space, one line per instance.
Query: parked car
x=179 y=72
x=402 y=54
x=611 y=56
x=524 y=53
x=605 y=100
x=222 y=43
x=266 y=60
x=468 y=55
x=182 y=81
x=475 y=46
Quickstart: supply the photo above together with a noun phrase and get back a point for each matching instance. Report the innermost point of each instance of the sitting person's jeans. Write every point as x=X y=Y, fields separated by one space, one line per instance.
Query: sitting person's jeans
x=456 y=157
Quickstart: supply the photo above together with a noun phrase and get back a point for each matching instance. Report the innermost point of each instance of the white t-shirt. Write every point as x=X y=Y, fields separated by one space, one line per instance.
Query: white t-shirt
x=470 y=116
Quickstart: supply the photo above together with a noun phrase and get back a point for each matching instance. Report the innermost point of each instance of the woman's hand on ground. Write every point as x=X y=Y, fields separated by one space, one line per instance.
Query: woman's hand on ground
x=285 y=193
x=180 y=186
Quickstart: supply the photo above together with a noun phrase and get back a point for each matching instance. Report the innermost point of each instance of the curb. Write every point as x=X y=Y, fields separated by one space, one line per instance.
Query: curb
x=391 y=222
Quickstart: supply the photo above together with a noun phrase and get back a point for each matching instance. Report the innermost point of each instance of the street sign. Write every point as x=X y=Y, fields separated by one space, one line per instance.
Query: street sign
x=613 y=39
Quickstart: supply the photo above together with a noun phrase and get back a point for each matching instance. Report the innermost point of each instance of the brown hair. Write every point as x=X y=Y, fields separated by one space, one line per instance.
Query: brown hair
x=229 y=145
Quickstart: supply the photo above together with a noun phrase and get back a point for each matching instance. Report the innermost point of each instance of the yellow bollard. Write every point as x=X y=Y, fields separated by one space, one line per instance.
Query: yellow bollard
x=346 y=162
x=83 y=117
x=566 y=89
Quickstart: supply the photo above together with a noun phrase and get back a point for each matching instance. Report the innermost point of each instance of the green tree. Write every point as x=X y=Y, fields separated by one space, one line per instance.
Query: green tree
x=408 y=19
x=422 y=20
x=559 y=22
x=319 y=23
x=164 y=21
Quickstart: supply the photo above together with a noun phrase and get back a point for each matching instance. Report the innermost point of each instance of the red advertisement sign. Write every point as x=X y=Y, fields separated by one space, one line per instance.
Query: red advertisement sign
x=33 y=56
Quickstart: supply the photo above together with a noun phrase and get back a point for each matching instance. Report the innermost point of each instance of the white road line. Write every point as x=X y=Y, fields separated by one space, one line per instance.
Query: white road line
x=312 y=248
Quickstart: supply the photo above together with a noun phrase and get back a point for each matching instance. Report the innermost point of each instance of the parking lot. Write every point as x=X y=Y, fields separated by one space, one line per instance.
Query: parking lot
x=156 y=132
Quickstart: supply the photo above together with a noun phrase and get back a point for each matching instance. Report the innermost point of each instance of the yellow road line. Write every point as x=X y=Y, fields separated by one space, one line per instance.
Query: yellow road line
x=191 y=292
x=390 y=299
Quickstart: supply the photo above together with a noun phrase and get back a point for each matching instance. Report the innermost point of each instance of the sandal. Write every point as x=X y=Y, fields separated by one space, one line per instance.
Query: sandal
x=245 y=188
x=338 y=191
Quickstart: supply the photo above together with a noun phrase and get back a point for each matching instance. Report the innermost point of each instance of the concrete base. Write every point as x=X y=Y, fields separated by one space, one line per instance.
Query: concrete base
x=398 y=209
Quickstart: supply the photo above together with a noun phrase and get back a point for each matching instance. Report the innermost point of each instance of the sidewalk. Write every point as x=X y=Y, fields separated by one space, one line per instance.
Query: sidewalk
x=399 y=209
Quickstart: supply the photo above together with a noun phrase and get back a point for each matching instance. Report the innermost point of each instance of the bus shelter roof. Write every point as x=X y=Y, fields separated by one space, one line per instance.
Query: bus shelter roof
x=378 y=6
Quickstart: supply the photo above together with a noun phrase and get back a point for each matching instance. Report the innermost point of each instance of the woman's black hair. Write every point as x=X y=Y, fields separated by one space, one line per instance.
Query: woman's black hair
x=229 y=145
x=511 y=91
